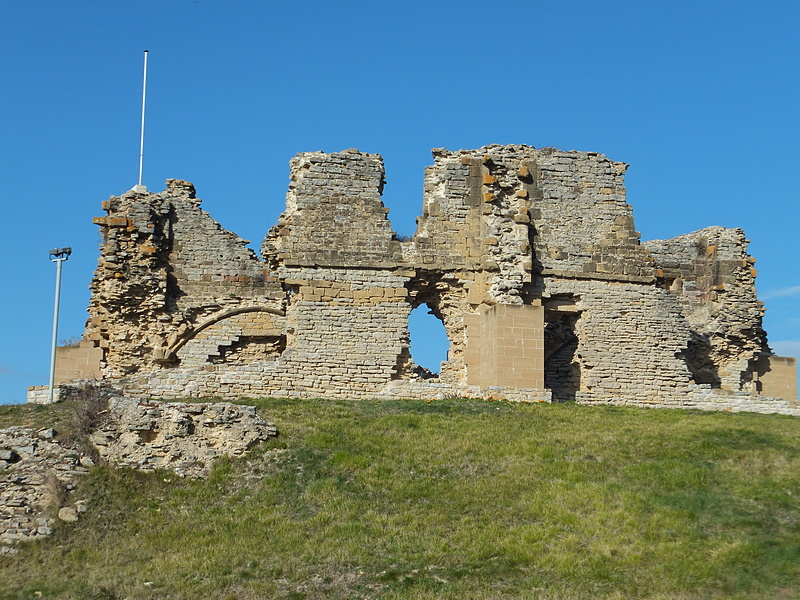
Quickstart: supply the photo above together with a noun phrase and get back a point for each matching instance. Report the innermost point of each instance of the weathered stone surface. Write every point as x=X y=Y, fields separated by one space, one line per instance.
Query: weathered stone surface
x=185 y=438
x=37 y=475
x=171 y=273
x=181 y=308
x=68 y=514
x=711 y=275
x=46 y=433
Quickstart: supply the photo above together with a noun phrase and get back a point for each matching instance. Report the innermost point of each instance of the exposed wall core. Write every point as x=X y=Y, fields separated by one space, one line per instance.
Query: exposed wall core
x=528 y=256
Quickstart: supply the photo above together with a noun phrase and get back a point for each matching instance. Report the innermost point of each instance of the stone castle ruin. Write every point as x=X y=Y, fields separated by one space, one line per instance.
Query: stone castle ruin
x=529 y=257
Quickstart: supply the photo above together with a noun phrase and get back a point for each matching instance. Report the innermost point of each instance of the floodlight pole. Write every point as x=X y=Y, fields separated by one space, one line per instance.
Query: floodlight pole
x=58 y=256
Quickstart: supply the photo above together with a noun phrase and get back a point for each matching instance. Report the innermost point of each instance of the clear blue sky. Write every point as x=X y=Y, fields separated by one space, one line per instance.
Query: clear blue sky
x=700 y=97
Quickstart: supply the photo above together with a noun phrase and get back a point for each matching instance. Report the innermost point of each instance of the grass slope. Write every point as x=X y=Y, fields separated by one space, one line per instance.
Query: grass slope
x=448 y=499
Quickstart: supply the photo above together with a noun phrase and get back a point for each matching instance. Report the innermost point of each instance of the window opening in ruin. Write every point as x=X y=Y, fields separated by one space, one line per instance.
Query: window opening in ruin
x=429 y=343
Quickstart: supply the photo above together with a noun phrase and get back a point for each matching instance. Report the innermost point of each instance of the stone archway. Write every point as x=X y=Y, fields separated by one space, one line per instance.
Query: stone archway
x=236 y=336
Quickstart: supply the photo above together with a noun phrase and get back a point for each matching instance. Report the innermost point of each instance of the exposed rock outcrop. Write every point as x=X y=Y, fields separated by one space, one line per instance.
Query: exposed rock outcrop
x=182 y=437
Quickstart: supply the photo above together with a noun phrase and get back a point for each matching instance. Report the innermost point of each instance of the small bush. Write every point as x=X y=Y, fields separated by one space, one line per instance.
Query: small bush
x=90 y=408
x=88 y=404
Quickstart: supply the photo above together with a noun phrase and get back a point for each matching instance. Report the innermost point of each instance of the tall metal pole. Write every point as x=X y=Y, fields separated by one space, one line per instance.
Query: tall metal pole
x=139 y=187
x=58 y=262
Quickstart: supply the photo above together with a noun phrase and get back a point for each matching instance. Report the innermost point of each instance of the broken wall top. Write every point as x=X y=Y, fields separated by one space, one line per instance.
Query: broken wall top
x=334 y=214
x=499 y=225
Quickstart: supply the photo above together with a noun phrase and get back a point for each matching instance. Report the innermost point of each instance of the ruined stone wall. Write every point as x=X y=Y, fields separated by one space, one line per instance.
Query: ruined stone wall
x=166 y=270
x=340 y=261
x=499 y=221
x=583 y=222
x=472 y=246
x=182 y=308
x=711 y=275
x=334 y=215
x=630 y=339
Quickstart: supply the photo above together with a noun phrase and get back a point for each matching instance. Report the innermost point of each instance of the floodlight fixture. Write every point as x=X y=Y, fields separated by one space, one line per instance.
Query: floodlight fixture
x=60 y=253
x=58 y=256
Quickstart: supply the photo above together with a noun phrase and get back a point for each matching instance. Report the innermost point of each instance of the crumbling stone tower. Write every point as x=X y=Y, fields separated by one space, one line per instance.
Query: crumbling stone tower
x=528 y=256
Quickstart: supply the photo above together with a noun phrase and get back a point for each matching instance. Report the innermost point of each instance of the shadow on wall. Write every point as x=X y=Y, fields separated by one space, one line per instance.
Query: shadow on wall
x=562 y=373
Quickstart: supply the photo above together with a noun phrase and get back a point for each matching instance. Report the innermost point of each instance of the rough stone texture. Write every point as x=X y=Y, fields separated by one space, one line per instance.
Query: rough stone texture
x=168 y=271
x=712 y=276
x=37 y=473
x=185 y=438
x=181 y=308
x=37 y=476
x=338 y=194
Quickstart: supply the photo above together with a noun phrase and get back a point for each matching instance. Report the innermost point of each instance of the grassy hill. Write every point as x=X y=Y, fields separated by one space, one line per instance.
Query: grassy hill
x=445 y=499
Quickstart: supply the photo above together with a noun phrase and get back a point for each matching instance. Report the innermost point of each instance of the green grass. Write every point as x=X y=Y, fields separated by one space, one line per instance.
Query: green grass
x=35 y=415
x=448 y=499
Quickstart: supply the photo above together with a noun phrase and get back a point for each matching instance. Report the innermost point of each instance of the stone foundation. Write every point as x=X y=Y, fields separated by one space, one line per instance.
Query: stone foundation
x=183 y=437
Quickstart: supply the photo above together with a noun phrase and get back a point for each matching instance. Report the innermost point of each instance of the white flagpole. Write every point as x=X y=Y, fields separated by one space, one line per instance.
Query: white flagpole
x=139 y=187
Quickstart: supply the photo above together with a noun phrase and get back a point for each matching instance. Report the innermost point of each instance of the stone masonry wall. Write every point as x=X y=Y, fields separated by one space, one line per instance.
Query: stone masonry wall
x=642 y=336
x=711 y=275
x=334 y=215
x=166 y=268
x=182 y=308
